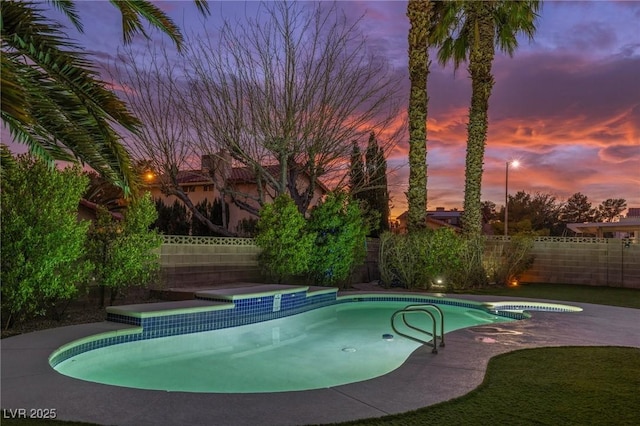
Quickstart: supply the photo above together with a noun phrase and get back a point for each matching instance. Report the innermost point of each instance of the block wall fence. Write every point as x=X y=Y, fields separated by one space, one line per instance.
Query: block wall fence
x=191 y=262
x=609 y=262
x=196 y=262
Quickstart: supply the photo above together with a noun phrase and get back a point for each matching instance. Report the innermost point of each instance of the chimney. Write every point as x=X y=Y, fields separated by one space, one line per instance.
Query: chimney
x=439 y=209
x=217 y=166
x=208 y=164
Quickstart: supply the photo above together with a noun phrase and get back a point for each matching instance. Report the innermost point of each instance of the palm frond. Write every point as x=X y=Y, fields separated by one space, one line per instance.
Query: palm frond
x=65 y=110
x=203 y=7
x=54 y=101
x=513 y=18
x=132 y=10
x=12 y=94
x=68 y=7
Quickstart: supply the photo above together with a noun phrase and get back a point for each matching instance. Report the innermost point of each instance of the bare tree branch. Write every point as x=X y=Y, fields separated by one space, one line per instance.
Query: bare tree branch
x=293 y=90
x=151 y=86
x=283 y=96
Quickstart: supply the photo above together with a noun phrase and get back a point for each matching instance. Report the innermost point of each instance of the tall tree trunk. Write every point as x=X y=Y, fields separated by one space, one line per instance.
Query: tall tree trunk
x=480 y=61
x=419 y=13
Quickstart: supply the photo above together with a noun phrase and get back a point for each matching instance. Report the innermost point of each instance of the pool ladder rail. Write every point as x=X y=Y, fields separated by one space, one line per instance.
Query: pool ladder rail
x=427 y=309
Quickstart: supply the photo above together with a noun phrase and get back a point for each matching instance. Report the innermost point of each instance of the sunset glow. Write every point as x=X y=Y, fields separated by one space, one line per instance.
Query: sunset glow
x=566 y=105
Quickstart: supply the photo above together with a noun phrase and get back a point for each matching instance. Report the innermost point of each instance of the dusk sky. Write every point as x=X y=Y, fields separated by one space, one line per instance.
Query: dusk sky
x=566 y=105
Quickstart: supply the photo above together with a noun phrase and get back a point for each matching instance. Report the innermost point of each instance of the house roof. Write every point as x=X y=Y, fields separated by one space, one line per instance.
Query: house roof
x=435 y=213
x=192 y=176
x=444 y=213
x=435 y=223
x=237 y=175
x=598 y=228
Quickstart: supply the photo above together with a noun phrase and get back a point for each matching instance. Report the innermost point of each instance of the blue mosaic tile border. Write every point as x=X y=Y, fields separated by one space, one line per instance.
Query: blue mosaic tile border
x=245 y=311
x=113 y=339
x=123 y=319
x=512 y=315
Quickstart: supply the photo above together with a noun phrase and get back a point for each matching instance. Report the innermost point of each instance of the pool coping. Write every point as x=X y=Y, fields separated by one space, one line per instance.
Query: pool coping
x=28 y=382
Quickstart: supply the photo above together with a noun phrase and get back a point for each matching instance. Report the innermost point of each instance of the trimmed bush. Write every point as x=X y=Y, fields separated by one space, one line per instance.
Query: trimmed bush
x=286 y=245
x=420 y=259
x=43 y=243
x=123 y=252
x=340 y=239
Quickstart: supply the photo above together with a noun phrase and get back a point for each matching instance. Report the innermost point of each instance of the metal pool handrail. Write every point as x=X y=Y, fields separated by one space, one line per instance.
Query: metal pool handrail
x=437 y=308
x=424 y=309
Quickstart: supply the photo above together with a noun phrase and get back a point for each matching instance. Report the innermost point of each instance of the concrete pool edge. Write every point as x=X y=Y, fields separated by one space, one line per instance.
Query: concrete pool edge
x=277 y=353
x=28 y=381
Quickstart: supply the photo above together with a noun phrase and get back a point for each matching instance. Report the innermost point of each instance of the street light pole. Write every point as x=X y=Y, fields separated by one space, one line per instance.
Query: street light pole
x=515 y=164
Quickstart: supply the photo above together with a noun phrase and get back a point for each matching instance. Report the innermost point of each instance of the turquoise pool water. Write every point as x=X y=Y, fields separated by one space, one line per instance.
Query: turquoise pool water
x=325 y=347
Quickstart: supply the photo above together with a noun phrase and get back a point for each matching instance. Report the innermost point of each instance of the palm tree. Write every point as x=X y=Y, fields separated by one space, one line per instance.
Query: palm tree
x=420 y=14
x=474 y=28
x=53 y=99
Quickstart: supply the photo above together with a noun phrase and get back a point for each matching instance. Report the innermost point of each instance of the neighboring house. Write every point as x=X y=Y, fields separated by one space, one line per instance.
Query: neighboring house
x=199 y=185
x=438 y=218
x=451 y=217
x=627 y=227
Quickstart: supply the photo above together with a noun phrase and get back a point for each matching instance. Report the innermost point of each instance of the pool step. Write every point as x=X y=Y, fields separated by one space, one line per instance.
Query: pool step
x=252 y=302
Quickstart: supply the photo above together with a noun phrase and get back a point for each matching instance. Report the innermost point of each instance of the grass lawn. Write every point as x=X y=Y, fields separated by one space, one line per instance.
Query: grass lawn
x=613 y=296
x=543 y=386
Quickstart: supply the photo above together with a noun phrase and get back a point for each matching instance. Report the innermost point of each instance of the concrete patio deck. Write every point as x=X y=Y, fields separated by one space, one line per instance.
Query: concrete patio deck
x=28 y=382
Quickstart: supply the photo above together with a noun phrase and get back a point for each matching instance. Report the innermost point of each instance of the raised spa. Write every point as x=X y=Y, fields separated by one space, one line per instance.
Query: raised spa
x=348 y=340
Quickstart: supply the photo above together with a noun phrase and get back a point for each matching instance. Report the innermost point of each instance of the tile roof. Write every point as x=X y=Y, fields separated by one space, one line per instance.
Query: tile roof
x=238 y=175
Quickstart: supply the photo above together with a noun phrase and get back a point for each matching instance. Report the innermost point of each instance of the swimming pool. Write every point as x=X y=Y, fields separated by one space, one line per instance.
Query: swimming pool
x=267 y=339
x=325 y=347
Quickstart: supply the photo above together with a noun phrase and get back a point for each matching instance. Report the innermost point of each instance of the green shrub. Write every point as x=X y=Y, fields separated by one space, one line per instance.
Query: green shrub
x=471 y=272
x=214 y=212
x=505 y=261
x=443 y=260
x=286 y=245
x=173 y=219
x=124 y=252
x=420 y=259
x=385 y=259
x=248 y=227
x=340 y=239
x=42 y=240
x=401 y=260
